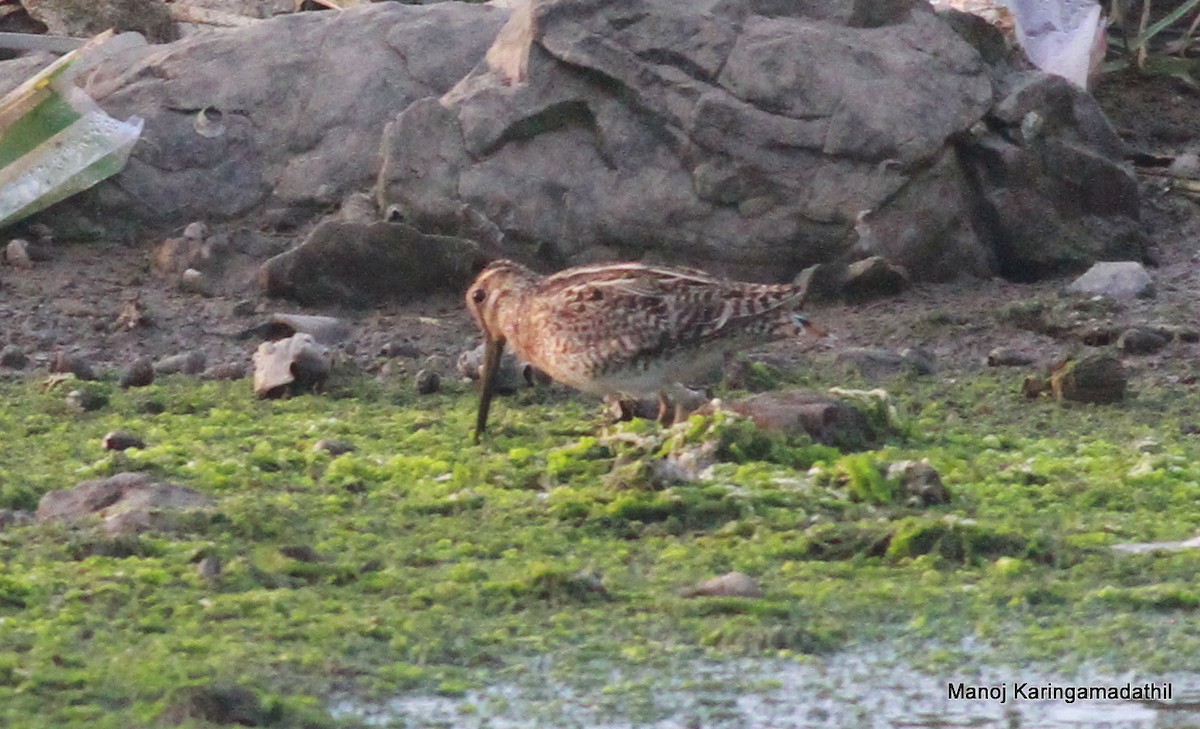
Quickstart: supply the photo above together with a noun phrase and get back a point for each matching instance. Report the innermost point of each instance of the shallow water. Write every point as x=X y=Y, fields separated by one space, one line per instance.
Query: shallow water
x=872 y=689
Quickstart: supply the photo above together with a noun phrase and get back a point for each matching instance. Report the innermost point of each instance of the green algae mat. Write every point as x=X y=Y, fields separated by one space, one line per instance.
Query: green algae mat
x=420 y=564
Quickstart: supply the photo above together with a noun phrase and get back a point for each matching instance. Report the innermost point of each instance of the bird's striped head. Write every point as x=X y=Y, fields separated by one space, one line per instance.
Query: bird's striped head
x=494 y=292
x=495 y=299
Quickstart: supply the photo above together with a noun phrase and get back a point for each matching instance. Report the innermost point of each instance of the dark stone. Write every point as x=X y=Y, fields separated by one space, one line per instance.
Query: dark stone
x=1141 y=340
x=188 y=363
x=800 y=412
x=87 y=399
x=301 y=553
x=220 y=704
x=333 y=446
x=13 y=357
x=357 y=265
x=872 y=278
x=139 y=373
x=73 y=364
x=428 y=382
x=1098 y=378
x=119 y=440
x=921 y=482
x=1009 y=357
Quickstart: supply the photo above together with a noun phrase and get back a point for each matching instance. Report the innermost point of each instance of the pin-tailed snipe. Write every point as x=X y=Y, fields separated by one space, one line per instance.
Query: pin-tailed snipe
x=624 y=329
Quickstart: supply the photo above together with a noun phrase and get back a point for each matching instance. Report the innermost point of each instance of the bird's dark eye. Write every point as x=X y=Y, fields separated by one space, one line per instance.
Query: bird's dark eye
x=478 y=295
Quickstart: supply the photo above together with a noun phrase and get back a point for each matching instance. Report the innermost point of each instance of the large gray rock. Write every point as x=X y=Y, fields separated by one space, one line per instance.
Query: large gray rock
x=1114 y=279
x=126 y=503
x=293 y=107
x=757 y=136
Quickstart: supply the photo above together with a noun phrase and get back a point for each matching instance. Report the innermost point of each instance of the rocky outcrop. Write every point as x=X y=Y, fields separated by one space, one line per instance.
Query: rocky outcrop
x=754 y=137
x=760 y=136
x=282 y=114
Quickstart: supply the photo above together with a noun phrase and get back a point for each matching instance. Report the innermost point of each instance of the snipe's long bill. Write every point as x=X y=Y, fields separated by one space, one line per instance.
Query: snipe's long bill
x=629 y=330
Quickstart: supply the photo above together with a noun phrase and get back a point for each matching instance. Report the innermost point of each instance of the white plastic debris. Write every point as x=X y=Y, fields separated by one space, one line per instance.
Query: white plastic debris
x=1063 y=37
x=55 y=141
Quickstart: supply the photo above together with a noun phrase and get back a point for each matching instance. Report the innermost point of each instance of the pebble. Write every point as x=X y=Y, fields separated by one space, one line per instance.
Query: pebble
x=189 y=363
x=74 y=364
x=13 y=357
x=428 y=382
x=119 y=440
x=399 y=349
x=17 y=254
x=333 y=446
x=86 y=400
x=195 y=282
x=921 y=482
x=139 y=373
x=225 y=371
x=1141 y=340
x=731 y=584
x=195 y=231
x=1008 y=357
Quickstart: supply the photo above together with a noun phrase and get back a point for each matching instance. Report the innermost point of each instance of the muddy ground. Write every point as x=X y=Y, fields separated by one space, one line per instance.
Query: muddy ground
x=74 y=301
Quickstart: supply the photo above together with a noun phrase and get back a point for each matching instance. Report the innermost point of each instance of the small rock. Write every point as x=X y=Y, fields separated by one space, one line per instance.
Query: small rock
x=119 y=440
x=821 y=281
x=1185 y=165
x=295 y=364
x=14 y=517
x=86 y=400
x=76 y=365
x=874 y=363
x=428 y=382
x=1141 y=340
x=139 y=373
x=399 y=349
x=1099 y=378
x=301 y=553
x=245 y=307
x=195 y=282
x=13 y=357
x=219 y=704
x=133 y=315
x=510 y=376
x=175 y=255
x=919 y=360
x=127 y=503
x=188 y=363
x=333 y=446
x=209 y=567
x=1008 y=357
x=872 y=278
x=921 y=481
x=225 y=371
x=16 y=254
x=821 y=417
x=195 y=231
x=731 y=584
x=1116 y=280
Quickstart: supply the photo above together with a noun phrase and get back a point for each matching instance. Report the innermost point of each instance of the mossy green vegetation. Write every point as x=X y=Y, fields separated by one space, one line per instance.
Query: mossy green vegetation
x=422 y=563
